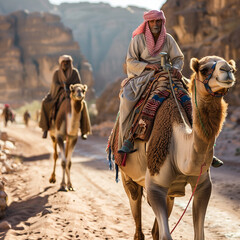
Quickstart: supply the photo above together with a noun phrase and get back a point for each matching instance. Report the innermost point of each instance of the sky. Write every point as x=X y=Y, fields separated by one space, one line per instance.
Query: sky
x=148 y=4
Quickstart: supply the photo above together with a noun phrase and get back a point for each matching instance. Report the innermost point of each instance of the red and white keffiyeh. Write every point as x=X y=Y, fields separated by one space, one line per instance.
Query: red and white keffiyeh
x=153 y=48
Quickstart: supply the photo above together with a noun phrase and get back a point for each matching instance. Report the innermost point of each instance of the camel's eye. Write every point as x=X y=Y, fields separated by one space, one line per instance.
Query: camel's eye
x=204 y=71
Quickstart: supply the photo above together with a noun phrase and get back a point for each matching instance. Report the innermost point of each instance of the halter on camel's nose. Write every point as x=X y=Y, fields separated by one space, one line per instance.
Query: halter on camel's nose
x=78 y=94
x=225 y=73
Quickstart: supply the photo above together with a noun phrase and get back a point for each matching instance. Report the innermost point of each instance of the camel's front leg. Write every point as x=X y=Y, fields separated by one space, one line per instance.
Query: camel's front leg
x=155 y=231
x=157 y=198
x=71 y=142
x=55 y=157
x=64 y=162
x=134 y=193
x=200 y=203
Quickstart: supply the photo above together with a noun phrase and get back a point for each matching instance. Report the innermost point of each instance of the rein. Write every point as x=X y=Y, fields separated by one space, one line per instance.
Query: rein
x=204 y=164
x=206 y=81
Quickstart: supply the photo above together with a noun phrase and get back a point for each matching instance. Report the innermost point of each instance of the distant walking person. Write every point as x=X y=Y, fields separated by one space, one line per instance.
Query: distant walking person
x=26 y=117
x=7 y=114
x=62 y=79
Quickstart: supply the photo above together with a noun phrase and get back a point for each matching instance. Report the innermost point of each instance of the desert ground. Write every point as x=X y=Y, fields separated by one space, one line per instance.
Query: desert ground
x=99 y=208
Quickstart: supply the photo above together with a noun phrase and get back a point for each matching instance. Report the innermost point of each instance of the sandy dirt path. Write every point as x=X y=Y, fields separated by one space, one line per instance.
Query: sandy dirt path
x=99 y=208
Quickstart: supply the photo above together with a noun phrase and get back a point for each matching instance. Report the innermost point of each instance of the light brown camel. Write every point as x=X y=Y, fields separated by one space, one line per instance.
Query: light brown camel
x=66 y=128
x=190 y=149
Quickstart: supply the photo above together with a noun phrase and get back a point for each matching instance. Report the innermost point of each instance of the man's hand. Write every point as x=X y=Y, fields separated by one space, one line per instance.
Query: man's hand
x=176 y=73
x=153 y=66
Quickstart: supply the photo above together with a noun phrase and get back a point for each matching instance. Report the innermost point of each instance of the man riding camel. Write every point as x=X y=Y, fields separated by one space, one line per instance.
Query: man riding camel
x=62 y=79
x=143 y=62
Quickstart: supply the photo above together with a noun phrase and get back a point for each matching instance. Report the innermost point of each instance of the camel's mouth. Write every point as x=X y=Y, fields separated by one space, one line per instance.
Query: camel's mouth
x=225 y=83
x=79 y=98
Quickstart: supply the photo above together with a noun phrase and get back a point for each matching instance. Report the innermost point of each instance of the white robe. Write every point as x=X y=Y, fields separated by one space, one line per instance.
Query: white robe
x=138 y=58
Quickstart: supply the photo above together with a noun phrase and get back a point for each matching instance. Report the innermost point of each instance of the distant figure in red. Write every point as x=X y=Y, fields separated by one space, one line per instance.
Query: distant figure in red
x=7 y=114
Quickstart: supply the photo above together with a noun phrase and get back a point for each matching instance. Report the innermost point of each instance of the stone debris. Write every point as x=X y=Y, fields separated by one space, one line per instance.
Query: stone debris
x=8 y=164
x=4 y=225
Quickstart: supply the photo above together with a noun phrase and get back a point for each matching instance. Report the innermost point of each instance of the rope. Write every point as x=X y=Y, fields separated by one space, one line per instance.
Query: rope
x=204 y=164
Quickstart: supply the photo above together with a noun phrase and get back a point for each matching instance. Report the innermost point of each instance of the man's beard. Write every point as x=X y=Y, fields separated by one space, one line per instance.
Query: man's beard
x=156 y=30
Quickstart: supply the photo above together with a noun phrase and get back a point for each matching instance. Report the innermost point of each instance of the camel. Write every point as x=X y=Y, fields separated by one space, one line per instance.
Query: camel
x=189 y=153
x=65 y=128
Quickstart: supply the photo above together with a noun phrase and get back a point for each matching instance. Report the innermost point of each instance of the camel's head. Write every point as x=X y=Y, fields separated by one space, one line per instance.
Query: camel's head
x=213 y=75
x=78 y=91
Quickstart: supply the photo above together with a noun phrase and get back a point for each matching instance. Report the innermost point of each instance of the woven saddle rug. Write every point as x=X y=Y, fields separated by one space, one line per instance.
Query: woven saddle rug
x=143 y=122
x=145 y=112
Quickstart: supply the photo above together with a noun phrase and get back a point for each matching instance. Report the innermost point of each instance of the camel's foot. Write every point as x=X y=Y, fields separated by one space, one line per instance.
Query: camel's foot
x=71 y=189
x=52 y=179
x=138 y=236
x=63 y=189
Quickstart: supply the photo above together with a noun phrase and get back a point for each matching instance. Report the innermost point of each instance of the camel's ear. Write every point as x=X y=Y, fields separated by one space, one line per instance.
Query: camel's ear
x=85 y=87
x=194 y=64
x=71 y=87
x=233 y=64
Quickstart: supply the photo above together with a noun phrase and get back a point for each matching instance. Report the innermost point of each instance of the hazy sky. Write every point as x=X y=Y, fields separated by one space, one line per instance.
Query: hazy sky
x=149 y=4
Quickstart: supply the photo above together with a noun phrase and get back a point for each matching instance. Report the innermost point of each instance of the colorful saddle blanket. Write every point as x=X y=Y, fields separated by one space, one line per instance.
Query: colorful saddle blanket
x=145 y=112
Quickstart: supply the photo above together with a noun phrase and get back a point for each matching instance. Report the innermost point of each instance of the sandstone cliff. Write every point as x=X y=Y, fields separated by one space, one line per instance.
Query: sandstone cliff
x=201 y=28
x=103 y=32
x=204 y=28
x=30 y=46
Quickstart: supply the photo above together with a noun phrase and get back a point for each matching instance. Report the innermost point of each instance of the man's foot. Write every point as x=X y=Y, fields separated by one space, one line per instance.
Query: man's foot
x=84 y=136
x=127 y=147
x=216 y=162
x=44 y=134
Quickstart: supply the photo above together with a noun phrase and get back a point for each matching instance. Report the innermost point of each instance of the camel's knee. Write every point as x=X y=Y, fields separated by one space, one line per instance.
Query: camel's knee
x=63 y=164
x=69 y=165
x=204 y=189
x=133 y=188
x=55 y=156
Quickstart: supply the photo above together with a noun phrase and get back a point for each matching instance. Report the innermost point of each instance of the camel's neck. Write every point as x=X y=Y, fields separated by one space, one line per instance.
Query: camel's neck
x=208 y=116
x=73 y=119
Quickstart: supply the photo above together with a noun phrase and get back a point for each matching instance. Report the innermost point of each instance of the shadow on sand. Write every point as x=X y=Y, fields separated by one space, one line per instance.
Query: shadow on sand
x=33 y=158
x=21 y=211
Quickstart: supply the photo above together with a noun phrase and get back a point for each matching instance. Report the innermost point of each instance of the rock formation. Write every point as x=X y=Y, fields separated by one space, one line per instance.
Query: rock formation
x=201 y=28
x=204 y=28
x=103 y=32
x=30 y=46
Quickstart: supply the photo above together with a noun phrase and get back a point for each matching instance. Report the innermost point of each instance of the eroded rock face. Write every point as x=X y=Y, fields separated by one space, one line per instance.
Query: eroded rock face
x=104 y=33
x=30 y=46
x=204 y=28
x=108 y=103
